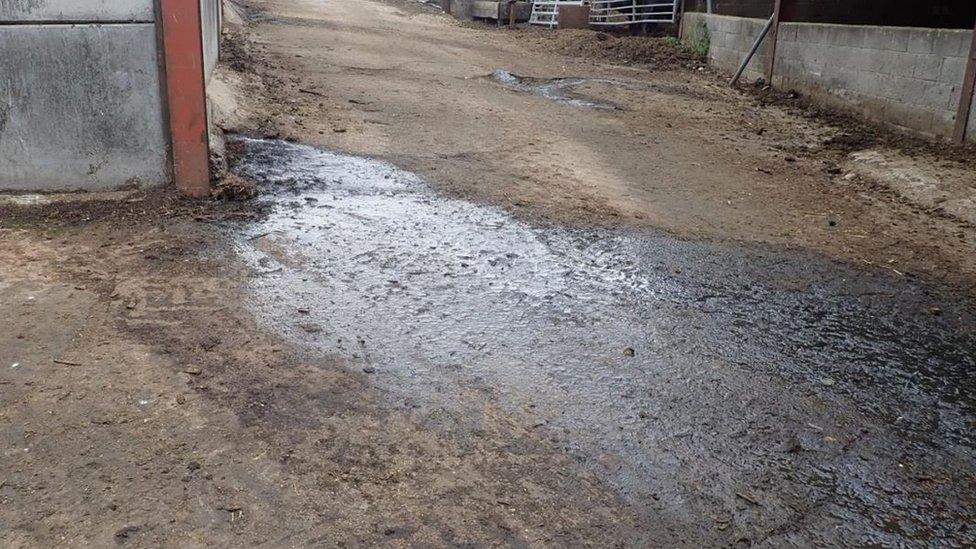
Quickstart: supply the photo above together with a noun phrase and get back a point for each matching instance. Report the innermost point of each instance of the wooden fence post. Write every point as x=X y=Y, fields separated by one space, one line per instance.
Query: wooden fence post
x=681 y=21
x=774 y=37
x=966 y=97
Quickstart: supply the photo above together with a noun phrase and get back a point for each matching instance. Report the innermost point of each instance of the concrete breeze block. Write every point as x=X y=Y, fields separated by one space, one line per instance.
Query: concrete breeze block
x=928 y=67
x=922 y=40
x=953 y=70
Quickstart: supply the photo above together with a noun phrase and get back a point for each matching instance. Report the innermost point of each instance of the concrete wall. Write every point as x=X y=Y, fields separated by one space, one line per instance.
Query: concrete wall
x=77 y=10
x=907 y=77
x=730 y=38
x=80 y=95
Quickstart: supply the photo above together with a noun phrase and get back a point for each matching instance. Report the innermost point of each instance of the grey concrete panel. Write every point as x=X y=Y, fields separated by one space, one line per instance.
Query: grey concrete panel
x=80 y=107
x=83 y=11
x=929 y=67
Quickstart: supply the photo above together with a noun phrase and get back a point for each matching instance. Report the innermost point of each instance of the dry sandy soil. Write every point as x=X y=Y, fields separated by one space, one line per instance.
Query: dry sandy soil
x=142 y=404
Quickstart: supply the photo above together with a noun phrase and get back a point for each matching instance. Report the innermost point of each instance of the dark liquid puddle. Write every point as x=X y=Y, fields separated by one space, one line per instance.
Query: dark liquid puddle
x=782 y=393
x=554 y=89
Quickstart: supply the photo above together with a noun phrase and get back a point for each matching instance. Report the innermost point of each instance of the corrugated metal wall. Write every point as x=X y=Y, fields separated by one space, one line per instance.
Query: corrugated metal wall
x=210 y=15
x=935 y=14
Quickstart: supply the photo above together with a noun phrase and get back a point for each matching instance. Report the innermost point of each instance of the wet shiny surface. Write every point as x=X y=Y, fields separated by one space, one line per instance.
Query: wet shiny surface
x=727 y=389
x=555 y=89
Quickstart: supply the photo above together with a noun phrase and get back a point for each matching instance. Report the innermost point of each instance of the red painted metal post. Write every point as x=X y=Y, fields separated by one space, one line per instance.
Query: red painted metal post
x=774 y=37
x=966 y=97
x=186 y=95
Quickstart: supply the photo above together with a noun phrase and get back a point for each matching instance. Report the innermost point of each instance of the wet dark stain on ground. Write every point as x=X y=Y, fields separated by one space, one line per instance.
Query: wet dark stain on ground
x=571 y=91
x=555 y=89
x=711 y=385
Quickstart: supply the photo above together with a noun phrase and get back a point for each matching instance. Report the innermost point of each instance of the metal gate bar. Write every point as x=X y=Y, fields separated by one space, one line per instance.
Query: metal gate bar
x=546 y=12
x=628 y=12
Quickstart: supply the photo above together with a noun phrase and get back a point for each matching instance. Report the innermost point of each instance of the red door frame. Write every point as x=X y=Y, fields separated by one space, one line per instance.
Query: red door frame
x=186 y=95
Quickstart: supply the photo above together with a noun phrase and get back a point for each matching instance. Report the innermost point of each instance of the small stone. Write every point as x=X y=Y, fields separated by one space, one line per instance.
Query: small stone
x=369 y=370
x=629 y=351
x=122 y=535
x=192 y=370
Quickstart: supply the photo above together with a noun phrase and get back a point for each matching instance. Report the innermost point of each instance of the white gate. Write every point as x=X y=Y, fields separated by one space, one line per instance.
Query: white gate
x=628 y=12
x=546 y=12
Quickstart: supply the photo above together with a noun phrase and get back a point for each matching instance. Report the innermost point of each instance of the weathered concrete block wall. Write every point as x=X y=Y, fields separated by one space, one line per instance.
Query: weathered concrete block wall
x=80 y=97
x=907 y=77
x=730 y=38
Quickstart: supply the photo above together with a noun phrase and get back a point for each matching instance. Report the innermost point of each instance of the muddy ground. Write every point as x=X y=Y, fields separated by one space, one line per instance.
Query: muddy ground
x=497 y=289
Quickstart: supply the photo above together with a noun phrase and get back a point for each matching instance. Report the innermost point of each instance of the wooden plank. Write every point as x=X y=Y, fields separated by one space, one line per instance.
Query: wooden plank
x=774 y=36
x=489 y=9
x=484 y=9
x=681 y=21
x=574 y=17
x=966 y=97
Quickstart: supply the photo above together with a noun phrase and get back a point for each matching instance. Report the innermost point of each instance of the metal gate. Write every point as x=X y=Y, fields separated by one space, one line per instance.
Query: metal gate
x=628 y=12
x=546 y=12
